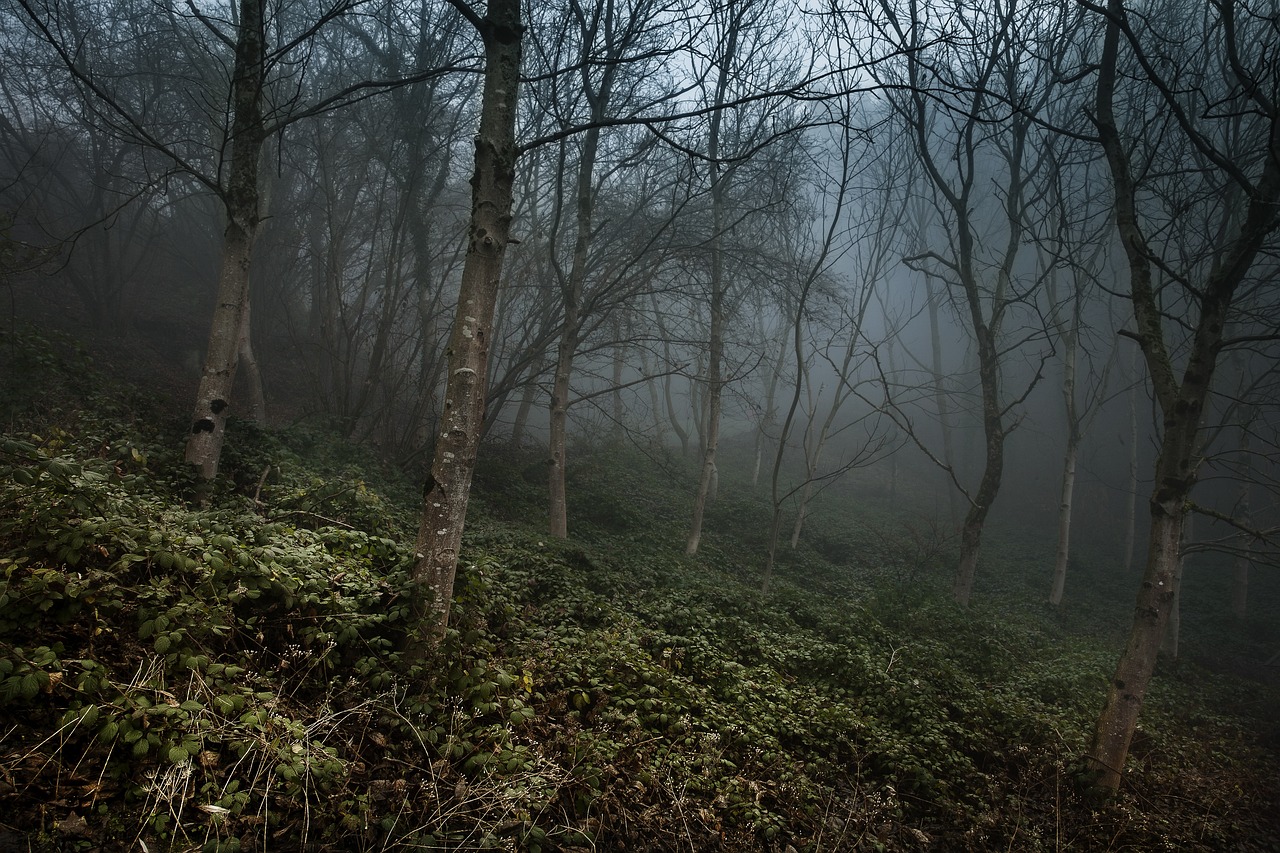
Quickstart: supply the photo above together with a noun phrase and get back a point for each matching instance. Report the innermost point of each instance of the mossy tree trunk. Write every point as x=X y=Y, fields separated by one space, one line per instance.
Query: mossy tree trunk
x=448 y=486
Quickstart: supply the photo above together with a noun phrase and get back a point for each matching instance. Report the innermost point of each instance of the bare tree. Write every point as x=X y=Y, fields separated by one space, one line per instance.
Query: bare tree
x=951 y=92
x=1204 y=230
x=448 y=486
x=744 y=55
x=1071 y=247
x=257 y=53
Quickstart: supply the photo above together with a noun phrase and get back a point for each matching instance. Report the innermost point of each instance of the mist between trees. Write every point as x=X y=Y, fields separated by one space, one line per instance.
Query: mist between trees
x=1017 y=246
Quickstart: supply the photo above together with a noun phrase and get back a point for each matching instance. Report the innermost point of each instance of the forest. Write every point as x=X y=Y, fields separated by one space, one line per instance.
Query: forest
x=640 y=425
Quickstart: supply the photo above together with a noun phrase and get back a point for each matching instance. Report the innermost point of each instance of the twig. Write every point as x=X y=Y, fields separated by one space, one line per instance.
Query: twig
x=257 y=493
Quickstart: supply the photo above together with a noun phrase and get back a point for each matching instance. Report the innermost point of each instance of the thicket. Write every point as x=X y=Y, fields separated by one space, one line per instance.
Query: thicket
x=227 y=675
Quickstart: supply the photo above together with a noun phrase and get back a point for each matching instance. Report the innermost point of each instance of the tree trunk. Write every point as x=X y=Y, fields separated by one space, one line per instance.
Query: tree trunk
x=521 y=421
x=1182 y=400
x=571 y=299
x=674 y=417
x=616 y=432
x=768 y=415
x=1173 y=630
x=1063 y=553
x=1131 y=498
x=448 y=486
x=708 y=483
x=213 y=397
x=942 y=403
x=667 y=396
x=252 y=375
x=713 y=391
x=558 y=521
x=655 y=408
x=1119 y=717
x=1240 y=580
x=993 y=470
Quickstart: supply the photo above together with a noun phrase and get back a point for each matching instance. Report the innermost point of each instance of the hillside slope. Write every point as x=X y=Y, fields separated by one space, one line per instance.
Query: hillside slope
x=229 y=677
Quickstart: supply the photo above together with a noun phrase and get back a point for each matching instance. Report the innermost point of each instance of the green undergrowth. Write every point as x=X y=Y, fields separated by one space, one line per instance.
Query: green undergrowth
x=232 y=675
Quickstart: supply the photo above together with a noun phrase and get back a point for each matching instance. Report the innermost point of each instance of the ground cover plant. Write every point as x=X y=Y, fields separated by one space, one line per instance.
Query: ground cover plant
x=228 y=674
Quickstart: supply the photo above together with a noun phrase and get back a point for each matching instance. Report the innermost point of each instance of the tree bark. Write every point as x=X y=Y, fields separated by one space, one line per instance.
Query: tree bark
x=715 y=355
x=213 y=397
x=1063 y=552
x=989 y=486
x=1068 y=336
x=251 y=373
x=448 y=486
x=1173 y=628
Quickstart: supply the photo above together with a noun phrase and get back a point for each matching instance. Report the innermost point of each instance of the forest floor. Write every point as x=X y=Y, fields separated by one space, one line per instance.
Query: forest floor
x=231 y=676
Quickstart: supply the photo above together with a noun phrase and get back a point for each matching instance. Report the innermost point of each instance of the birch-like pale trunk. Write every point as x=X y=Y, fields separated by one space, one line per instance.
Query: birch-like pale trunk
x=230 y=313
x=1068 y=334
x=241 y=197
x=714 y=389
x=567 y=347
x=448 y=487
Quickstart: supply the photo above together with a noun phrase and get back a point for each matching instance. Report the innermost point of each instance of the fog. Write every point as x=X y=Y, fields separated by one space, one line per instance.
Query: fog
x=946 y=264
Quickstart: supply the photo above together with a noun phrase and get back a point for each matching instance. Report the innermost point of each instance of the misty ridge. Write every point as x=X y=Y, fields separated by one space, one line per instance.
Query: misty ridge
x=869 y=410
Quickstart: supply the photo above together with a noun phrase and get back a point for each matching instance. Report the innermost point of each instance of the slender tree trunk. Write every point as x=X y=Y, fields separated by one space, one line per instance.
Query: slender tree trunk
x=616 y=432
x=1131 y=497
x=1240 y=580
x=668 y=396
x=521 y=421
x=941 y=402
x=655 y=407
x=713 y=391
x=708 y=483
x=448 y=486
x=213 y=398
x=558 y=520
x=249 y=370
x=1063 y=553
x=802 y=511
x=989 y=486
x=768 y=415
x=674 y=417
x=571 y=299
